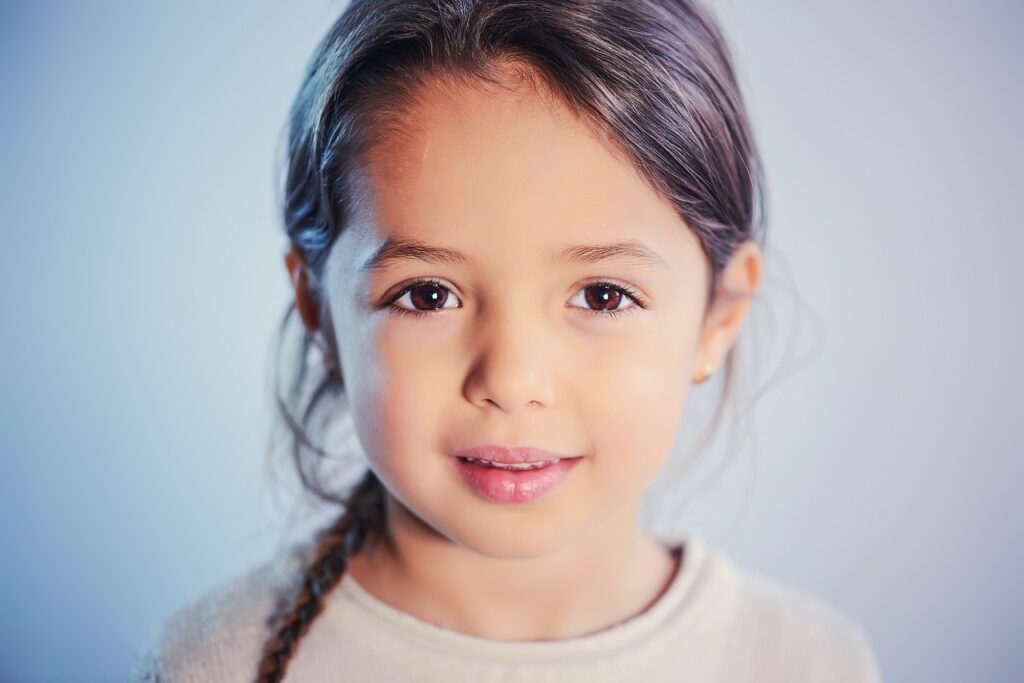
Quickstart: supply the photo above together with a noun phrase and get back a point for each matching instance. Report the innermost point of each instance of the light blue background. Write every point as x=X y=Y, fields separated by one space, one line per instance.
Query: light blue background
x=143 y=281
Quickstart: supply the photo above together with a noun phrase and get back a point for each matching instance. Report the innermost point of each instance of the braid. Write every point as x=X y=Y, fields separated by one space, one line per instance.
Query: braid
x=363 y=516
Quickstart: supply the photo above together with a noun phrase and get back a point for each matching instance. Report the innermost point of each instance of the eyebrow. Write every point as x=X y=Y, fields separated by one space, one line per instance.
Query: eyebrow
x=403 y=249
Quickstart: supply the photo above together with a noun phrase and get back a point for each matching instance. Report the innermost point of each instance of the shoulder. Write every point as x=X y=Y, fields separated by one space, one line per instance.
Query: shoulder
x=219 y=637
x=788 y=635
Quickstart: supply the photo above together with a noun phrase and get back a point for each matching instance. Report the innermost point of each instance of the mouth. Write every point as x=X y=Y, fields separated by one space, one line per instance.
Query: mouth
x=513 y=482
x=520 y=467
x=501 y=456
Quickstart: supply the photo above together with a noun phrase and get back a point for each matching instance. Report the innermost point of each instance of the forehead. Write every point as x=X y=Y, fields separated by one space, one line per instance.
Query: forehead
x=506 y=174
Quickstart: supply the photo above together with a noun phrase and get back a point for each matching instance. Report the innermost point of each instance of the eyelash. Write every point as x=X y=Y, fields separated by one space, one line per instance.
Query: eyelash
x=630 y=292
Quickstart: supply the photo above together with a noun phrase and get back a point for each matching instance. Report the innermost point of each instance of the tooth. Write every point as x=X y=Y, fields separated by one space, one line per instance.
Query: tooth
x=513 y=467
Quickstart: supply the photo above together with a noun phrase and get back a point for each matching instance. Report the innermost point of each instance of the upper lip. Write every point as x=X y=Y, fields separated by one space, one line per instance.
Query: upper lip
x=510 y=455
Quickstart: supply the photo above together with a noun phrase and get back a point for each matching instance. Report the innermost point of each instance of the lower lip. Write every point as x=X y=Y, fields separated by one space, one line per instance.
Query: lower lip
x=511 y=486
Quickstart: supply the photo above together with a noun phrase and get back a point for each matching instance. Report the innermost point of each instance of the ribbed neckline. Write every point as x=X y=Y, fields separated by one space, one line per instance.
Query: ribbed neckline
x=624 y=635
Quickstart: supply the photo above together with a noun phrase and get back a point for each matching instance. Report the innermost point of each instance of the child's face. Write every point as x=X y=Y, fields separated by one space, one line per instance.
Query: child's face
x=510 y=180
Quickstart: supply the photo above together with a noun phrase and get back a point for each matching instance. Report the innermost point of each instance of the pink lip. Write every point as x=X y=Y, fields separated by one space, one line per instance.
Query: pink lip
x=510 y=456
x=507 y=486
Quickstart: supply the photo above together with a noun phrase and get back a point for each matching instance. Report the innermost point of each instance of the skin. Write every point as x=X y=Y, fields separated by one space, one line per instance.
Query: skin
x=516 y=355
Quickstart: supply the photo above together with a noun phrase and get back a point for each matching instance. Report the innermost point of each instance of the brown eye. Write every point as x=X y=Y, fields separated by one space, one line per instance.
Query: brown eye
x=605 y=299
x=425 y=297
x=602 y=297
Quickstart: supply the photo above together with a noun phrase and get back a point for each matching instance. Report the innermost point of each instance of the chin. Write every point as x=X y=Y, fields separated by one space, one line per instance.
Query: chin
x=521 y=546
x=512 y=534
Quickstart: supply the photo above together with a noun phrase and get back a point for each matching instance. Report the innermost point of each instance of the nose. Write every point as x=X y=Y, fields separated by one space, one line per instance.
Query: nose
x=514 y=367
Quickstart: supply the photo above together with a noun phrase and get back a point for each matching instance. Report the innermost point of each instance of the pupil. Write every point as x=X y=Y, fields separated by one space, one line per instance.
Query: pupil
x=609 y=295
x=434 y=296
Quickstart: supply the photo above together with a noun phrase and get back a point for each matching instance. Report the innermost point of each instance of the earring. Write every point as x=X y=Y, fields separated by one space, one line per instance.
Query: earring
x=707 y=373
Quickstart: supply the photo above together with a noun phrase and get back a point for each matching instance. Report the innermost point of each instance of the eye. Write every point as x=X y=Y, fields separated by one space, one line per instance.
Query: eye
x=610 y=295
x=421 y=292
x=429 y=292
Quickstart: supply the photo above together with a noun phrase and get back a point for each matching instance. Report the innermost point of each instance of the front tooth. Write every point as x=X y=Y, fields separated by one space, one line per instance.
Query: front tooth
x=521 y=466
x=525 y=466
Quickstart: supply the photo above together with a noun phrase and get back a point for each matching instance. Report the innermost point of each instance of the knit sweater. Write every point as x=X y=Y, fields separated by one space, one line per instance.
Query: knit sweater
x=715 y=622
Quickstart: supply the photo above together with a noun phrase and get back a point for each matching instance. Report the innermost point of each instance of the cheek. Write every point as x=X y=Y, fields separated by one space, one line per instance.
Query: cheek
x=634 y=408
x=399 y=412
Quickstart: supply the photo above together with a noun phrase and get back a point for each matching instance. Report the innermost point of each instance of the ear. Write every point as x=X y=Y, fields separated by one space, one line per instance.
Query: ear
x=306 y=300
x=736 y=285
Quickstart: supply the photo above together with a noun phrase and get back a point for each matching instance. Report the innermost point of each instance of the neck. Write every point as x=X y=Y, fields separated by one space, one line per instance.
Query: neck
x=603 y=578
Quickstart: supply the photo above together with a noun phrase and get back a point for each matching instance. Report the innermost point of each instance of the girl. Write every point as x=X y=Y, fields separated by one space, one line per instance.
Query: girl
x=518 y=231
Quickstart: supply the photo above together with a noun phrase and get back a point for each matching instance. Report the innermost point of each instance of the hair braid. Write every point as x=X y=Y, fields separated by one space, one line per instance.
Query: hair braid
x=364 y=516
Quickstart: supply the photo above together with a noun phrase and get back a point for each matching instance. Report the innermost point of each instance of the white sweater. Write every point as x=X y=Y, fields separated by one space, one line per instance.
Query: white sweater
x=715 y=622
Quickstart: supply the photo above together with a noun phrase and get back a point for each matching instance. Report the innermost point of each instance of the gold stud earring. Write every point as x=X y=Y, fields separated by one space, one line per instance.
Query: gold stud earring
x=707 y=373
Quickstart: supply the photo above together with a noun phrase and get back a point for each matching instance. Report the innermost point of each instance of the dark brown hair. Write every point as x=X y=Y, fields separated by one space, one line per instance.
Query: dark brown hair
x=653 y=76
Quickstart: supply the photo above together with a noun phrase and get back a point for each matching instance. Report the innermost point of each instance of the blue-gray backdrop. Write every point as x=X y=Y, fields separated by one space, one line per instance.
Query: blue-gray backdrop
x=142 y=281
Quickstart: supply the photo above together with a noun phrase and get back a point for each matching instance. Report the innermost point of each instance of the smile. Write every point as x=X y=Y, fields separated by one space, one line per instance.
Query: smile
x=506 y=466
x=513 y=483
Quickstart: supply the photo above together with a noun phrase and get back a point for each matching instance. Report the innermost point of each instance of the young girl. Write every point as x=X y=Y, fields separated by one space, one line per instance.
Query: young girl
x=518 y=232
